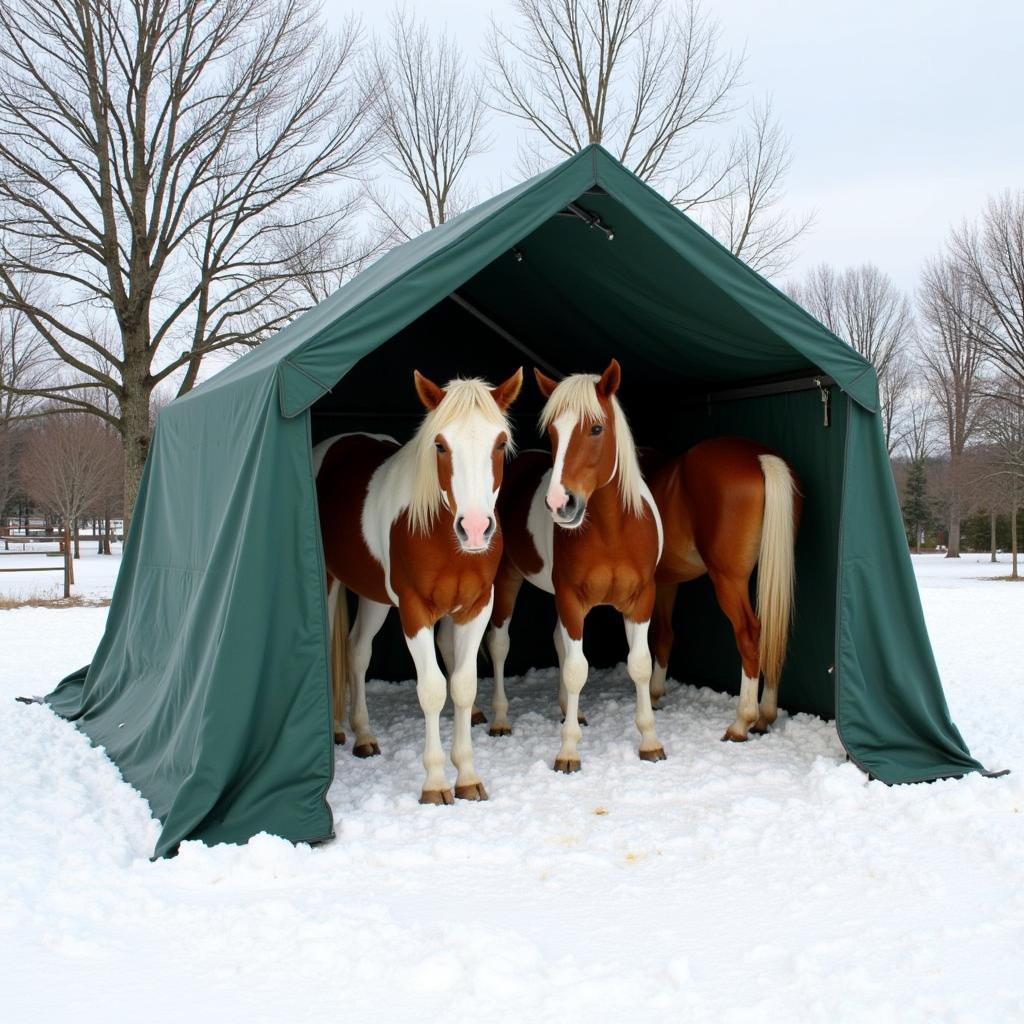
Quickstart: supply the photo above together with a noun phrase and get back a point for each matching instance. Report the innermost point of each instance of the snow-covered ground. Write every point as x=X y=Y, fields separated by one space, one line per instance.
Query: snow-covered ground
x=765 y=882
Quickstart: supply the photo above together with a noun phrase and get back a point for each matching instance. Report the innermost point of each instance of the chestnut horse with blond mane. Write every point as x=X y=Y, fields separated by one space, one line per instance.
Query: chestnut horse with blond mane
x=582 y=525
x=728 y=505
x=414 y=526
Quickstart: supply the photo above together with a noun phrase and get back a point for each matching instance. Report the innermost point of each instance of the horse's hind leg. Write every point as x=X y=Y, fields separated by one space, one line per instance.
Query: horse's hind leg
x=662 y=638
x=369 y=618
x=506 y=589
x=734 y=599
x=463 y=686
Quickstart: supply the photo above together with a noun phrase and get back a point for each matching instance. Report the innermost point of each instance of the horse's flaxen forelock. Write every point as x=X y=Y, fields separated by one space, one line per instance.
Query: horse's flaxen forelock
x=462 y=398
x=577 y=396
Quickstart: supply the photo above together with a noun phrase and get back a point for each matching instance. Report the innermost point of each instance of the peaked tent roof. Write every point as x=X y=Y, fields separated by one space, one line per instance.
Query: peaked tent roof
x=310 y=355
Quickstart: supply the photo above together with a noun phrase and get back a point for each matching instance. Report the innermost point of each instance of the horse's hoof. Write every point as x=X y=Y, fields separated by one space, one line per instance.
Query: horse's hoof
x=479 y=718
x=474 y=791
x=339 y=739
x=437 y=796
x=657 y=754
x=760 y=728
x=366 y=750
x=734 y=737
x=567 y=765
x=500 y=730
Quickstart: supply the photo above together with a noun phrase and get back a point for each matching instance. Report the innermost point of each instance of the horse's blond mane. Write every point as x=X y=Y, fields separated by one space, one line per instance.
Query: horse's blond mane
x=462 y=397
x=577 y=396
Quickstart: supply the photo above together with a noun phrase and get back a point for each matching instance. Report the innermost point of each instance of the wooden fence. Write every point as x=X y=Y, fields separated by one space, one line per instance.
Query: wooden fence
x=65 y=557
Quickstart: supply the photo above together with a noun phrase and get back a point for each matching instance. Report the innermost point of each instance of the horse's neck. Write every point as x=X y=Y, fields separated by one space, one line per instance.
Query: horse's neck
x=606 y=501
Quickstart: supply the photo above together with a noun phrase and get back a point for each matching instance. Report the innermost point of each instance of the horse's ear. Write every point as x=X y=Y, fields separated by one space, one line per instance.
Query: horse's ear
x=544 y=382
x=430 y=394
x=505 y=394
x=610 y=380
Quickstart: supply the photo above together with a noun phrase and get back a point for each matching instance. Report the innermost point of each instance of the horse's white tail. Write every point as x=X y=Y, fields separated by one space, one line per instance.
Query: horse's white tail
x=337 y=606
x=775 y=571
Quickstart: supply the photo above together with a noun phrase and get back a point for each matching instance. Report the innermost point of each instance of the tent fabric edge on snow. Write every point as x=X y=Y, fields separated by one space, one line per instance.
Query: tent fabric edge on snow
x=210 y=687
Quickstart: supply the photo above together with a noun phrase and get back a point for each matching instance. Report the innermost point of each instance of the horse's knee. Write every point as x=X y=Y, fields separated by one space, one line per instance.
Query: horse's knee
x=431 y=692
x=639 y=666
x=463 y=687
x=574 y=673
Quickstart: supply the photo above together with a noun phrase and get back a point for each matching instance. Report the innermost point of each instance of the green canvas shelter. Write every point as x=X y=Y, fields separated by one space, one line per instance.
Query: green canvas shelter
x=210 y=686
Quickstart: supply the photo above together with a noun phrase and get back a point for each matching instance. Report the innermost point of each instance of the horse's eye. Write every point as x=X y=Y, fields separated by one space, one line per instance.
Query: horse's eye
x=440 y=447
x=596 y=429
x=502 y=445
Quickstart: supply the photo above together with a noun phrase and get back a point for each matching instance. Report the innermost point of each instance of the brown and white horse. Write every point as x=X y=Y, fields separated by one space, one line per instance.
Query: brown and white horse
x=727 y=505
x=583 y=526
x=414 y=526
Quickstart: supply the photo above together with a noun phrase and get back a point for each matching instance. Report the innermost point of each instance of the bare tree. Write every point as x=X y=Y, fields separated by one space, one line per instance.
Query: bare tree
x=992 y=256
x=748 y=218
x=641 y=77
x=863 y=306
x=69 y=464
x=154 y=158
x=953 y=354
x=430 y=111
x=23 y=366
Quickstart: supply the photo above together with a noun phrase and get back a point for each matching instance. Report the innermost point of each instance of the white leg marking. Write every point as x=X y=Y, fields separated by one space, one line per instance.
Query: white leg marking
x=370 y=617
x=574 y=676
x=746 y=712
x=560 y=651
x=638 y=664
x=430 y=689
x=463 y=685
x=769 y=710
x=497 y=649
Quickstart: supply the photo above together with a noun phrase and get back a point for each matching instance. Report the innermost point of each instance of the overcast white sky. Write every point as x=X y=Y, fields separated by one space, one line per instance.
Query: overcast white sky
x=904 y=115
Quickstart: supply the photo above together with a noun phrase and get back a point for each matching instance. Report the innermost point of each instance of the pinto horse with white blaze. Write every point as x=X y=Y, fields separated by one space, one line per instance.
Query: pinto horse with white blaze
x=728 y=505
x=414 y=526
x=583 y=526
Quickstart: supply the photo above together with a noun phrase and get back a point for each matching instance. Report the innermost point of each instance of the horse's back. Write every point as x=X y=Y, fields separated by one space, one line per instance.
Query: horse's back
x=345 y=466
x=712 y=504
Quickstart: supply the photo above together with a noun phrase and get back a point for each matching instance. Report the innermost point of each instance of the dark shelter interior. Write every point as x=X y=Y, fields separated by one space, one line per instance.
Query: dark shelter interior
x=594 y=282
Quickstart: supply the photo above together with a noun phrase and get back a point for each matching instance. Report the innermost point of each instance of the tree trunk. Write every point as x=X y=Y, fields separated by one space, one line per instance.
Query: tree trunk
x=992 y=534
x=1013 y=527
x=135 y=433
x=78 y=539
x=953 y=541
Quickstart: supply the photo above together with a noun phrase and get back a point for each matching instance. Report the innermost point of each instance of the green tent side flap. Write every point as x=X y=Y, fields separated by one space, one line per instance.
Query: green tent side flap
x=210 y=687
x=891 y=713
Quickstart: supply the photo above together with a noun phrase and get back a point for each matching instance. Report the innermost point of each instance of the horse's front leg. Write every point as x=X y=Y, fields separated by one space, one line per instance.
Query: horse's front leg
x=638 y=664
x=463 y=685
x=574 y=675
x=431 y=691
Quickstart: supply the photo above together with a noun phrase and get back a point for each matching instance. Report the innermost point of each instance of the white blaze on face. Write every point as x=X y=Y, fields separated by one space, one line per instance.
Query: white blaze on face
x=471 y=443
x=563 y=426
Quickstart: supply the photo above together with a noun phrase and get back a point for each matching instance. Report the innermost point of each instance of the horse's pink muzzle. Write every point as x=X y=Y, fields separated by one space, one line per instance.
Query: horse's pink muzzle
x=475 y=529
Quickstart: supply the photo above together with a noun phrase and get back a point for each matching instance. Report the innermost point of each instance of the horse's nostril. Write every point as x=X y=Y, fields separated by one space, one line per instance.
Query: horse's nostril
x=492 y=524
x=460 y=530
